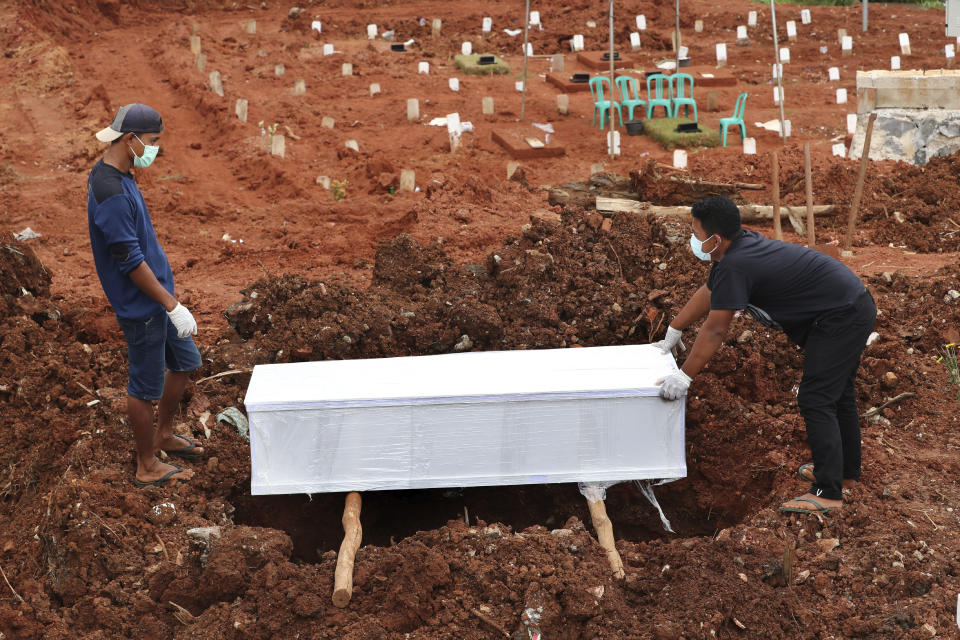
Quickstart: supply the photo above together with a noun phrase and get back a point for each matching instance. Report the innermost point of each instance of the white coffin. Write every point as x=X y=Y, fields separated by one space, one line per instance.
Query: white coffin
x=465 y=419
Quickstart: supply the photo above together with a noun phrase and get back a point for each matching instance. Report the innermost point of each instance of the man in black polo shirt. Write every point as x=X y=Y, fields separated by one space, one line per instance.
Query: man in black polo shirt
x=817 y=301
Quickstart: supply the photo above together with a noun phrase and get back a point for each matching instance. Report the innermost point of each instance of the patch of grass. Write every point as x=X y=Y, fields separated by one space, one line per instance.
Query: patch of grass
x=663 y=130
x=468 y=64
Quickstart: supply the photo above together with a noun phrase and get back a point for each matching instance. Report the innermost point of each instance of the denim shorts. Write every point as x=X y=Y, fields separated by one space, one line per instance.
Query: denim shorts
x=153 y=347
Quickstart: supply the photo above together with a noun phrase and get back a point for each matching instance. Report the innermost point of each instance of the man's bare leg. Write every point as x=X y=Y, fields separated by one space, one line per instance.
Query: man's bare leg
x=173 y=388
x=149 y=467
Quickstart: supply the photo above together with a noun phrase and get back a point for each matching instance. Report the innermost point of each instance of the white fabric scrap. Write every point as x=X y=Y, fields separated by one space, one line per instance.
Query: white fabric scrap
x=512 y=32
x=442 y=122
x=26 y=234
x=546 y=128
x=646 y=488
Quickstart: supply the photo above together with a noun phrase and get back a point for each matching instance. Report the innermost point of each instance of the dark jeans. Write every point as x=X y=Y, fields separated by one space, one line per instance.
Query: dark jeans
x=827 y=398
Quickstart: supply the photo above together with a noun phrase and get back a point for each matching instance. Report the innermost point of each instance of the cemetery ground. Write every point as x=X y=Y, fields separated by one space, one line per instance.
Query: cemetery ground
x=278 y=268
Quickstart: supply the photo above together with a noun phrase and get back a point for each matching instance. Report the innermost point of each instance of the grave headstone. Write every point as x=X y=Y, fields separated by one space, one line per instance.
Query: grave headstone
x=950 y=52
x=299 y=87
x=805 y=16
x=453 y=130
x=894 y=63
x=279 y=70
x=713 y=101
x=435 y=27
x=750 y=146
x=642 y=22
x=576 y=43
x=791 y=31
x=454 y=84
x=487 y=106
x=518 y=85
x=535 y=18
x=324 y=181
x=201 y=62
x=374 y=88
x=278 y=145
x=787 y=128
x=777 y=95
x=742 y=34
x=904 y=43
x=721 y=54
x=328 y=49
x=851 y=123
x=784 y=55
x=317 y=26
x=423 y=67
x=528 y=50
x=371 y=32
x=613 y=143
x=408 y=179
x=194 y=45
x=487 y=25
x=834 y=73
x=841 y=34
x=841 y=96
x=466 y=48
x=846 y=48
x=840 y=149
x=635 y=41
x=563 y=104
x=679 y=159
x=512 y=167
x=684 y=52
x=777 y=71
x=352 y=145
x=413 y=109
x=241 y=109
x=346 y=69
x=673 y=40
x=216 y=83
x=752 y=19
x=698 y=26
x=558 y=62
x=327 y=122
x=251 y=26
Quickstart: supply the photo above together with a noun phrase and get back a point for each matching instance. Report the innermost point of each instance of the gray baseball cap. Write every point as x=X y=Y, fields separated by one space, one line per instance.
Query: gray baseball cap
x=135 y=117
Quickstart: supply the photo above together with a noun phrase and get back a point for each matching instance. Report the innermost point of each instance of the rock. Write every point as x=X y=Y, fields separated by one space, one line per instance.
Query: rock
x=952 y=295
x=607 y=225
x=828 y=544
x=204 y=533
x=873 y=338
x=745 y=336
x=492 y=532
x=548 y=218
x=890 y=380
x=887 y=276
x=802 y=576
x=562 y=533
x=294 y=12
x=464 y=344
x=929 y=630
x=162 y=514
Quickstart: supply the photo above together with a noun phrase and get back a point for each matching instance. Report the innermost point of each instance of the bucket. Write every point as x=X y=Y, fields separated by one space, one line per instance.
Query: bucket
x=634 y=127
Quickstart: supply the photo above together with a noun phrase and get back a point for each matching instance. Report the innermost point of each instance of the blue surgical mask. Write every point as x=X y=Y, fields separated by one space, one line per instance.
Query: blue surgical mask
x=697 y=247
x=149 y=154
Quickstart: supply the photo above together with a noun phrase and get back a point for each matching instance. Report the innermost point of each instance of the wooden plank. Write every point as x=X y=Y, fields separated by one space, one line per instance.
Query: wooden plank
x=748 y=212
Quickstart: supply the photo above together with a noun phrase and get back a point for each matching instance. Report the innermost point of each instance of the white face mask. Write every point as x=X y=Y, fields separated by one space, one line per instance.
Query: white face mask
x=697 y=247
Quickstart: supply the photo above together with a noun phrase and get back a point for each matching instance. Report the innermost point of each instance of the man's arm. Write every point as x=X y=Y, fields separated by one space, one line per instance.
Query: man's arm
x=143 y=277
x=709 y=339
x=697 y=307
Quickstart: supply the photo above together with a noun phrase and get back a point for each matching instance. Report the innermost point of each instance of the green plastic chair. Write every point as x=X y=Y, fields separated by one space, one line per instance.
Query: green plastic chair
x=736 y=119
x=629 y=94
x=655 y=95
x=679 y=96
x=602 y=105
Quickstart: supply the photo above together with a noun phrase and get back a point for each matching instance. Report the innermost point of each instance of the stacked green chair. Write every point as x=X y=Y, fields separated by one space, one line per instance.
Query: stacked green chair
x=629 y=94
x=600 y=104
x=680 y=96
x=656 y=96
x=736 y=119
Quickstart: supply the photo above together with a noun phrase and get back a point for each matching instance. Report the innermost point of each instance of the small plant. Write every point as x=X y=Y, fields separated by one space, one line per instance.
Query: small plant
x=339 y=189
x=270 y=131
x=948 y=358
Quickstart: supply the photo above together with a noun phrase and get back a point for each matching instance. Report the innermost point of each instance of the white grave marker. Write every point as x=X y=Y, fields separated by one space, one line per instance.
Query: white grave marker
x=846 y=46
x=563 y=104
x=241 y=109
x=529 y=50
x=299 y=87
x=371 y=31
x=791 y=30
x=684 y=51
x=423 y=67
x=777 y=94
x=679 y=159
x=777 y=71
x=324 y=181
x=413 y=109
x=750 y=146
x=487 y=25
x=194 y=45
x=352 y=145
x=784 y=54
x=576 y=44
x=950 y=52
x=278 y=145
x=613 y=143
x=487 y=106
x=328 y=49
x=721 y=54
x=466 y=48
x=216 y=83
x=840 y=149
x=251 y=26
x=535 y=18
x=905 y=43
x=327 y=122
x=374 y=88
x=894 y=63
x=787 y=128
x=752 y=19
x=454 y=84
x=435 y=27
x=698 y=26
x=642 y=22
x=742 y=33
x=316 y=26
x=201 y=62
x=851 y=123
x=834 y=73
x=805 y=16
x=346 y=69
x=841 y=96
x=453 y=129
x=518 y=85
x=557 y=62
x=279 y=70
x=407 y=180
x=635 y=41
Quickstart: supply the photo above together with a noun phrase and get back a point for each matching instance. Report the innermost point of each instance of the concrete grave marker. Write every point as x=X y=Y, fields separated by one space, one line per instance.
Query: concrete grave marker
x=241 y=109
x=841 y=96
x=613 y=143
x=299 y=87
x=839 y=149
x=563 y=104
x=791 y=31
x=423 y=68
x=487 y=106
x=327 y=122
x=673 y=40
x=278 y=145
x=750 y=146
x=535 y=19
x=905 y=43
x=679 y=159
x=371 y=31
x=466 y=48
x=635 y=41
x=642 y=22
x=846 y=48
x=698 y=26
x=408 y=178
x=487 y=25
x=194 y=45
x=777 y=94
x=841 y=34
x=558 y=62
x=777 y=71
x=454 y=84
x=529 y=50
x=950 y=52
x=453 y=130
x=684 y=52
x=317 y=26
x=374 y=88
x=851 y=123
x=413 y=109
x=216 y=83
x=201 y=62
x=894 y=63
x=742 y=34
x=576 y=43
x=752 y=19
x=721 y=54
x=787 y=128
x=324 y=181
x=346 y=69
x=518 y=85
x=435 y=27
x=805 y=16
x=328 y=49
x=784 y=55
x=279 y=70
x=512 y=167
x=352 y=145
x=251 y=26
x=834 y=73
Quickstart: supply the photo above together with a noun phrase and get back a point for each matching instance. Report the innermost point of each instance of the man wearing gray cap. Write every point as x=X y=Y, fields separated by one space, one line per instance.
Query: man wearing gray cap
x=138 y=282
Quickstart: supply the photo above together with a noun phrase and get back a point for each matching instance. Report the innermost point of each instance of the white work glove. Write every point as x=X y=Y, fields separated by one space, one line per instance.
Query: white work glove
x=671 y=342
x=674 y=386
x=183 y=320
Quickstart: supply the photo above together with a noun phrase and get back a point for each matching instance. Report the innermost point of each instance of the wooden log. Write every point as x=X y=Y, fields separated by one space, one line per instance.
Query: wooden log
x=352 y=534
x=604 y=529
x=748 y=212
x=858 y=191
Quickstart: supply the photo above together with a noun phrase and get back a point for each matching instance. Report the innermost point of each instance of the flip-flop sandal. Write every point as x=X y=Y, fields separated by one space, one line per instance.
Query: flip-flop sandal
x=804 y=467
x=185 y=452
x=819 y=507
x=159 y=482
